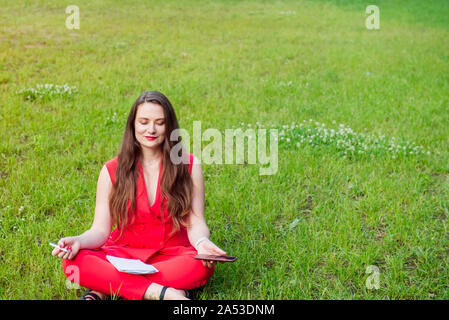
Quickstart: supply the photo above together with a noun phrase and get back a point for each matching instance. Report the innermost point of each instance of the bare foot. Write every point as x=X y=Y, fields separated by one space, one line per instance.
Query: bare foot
x=175 y=294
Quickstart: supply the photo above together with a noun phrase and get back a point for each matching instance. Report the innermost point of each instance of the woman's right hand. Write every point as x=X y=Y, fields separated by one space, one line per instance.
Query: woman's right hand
x=72 y=244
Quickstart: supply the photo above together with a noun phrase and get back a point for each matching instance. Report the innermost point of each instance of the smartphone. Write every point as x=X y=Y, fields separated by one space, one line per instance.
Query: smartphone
x=210 y=257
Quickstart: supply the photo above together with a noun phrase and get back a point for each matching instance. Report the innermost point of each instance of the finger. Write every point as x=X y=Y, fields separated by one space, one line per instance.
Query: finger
x=73 y=254
x=66 y=255
x=61 y=243
x=54 y=252
x=61 y=254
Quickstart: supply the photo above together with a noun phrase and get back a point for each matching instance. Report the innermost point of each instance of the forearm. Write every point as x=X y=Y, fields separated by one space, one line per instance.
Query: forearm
x=197 y=232
x=92 y=239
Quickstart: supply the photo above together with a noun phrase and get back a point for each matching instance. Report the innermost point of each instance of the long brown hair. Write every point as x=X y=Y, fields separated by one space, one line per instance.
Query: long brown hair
x=175 y=181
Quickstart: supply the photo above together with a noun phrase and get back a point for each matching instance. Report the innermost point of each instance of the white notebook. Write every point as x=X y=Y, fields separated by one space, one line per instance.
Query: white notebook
x=133 y=266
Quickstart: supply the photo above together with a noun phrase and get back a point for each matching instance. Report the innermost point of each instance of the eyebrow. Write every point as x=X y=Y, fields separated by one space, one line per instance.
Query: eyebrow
x=144 y=118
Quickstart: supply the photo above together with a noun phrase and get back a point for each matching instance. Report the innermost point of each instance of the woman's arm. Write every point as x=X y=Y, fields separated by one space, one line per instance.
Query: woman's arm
x=197 y=231
x=196 y=220
x=99 y=232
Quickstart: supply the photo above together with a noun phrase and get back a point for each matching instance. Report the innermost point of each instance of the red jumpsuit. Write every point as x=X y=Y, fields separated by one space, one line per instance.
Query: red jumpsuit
x=147 y=239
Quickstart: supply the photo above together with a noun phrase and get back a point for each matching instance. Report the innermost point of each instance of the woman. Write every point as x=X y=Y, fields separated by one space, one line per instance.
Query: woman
x=158 y=210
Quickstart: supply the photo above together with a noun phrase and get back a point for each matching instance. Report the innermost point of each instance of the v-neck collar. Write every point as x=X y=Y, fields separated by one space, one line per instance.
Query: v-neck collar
x=144 y=187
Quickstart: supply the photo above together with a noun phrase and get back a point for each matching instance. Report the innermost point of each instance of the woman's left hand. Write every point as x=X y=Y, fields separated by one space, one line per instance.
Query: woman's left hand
x=208 y=247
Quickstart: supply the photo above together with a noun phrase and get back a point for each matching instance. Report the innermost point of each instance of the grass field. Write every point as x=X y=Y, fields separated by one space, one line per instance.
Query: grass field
x=311 y=230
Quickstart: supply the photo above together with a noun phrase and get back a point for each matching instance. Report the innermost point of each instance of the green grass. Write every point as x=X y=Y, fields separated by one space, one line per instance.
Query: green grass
x=307 y=232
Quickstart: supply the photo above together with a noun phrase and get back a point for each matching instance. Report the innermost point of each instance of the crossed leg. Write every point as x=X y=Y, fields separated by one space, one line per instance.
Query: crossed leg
x=92 y=270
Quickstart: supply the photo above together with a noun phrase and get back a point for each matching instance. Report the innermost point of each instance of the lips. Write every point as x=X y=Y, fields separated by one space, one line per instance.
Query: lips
x=150 y=138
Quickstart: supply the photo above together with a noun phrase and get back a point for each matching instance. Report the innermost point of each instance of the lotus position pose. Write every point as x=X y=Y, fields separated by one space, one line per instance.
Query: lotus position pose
x=157 y=208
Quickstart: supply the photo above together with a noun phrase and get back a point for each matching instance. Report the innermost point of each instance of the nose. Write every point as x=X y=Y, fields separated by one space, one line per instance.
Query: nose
x=152 y=128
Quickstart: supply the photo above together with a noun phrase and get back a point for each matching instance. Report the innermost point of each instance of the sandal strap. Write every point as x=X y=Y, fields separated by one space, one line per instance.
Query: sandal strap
x=90 y=293
x=189 y=293
x=161 y=297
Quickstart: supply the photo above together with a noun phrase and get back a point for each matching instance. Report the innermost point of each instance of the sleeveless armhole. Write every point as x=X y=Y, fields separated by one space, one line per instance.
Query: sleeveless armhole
x=191 y=163
x=111 y=165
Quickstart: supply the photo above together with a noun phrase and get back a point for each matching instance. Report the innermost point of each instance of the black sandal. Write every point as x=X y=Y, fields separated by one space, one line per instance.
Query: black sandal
x=189 y=293
x=89 y=293
x=161 y=297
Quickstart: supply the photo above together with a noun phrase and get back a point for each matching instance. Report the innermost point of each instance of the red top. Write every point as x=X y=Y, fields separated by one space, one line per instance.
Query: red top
x=148 y=233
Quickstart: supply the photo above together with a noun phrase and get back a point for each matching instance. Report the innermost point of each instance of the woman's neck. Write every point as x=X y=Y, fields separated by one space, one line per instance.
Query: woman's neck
x=151 y=157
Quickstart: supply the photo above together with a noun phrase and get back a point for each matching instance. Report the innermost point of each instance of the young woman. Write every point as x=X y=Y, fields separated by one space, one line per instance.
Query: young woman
x=157 y=207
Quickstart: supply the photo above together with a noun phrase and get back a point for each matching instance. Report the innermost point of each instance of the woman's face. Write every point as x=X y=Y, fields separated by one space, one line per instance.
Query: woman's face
x=150 y=125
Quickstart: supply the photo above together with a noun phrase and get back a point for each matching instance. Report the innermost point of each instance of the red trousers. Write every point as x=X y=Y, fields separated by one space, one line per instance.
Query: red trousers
x=92 y=270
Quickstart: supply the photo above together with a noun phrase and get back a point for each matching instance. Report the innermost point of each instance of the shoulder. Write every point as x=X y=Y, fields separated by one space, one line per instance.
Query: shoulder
x=186 y=159
x=195 y=168
x=189 y=160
